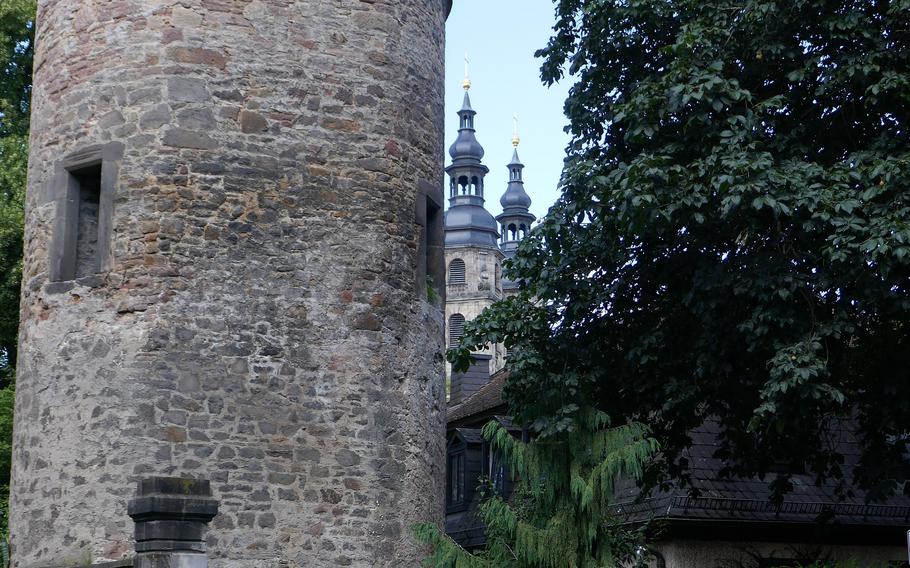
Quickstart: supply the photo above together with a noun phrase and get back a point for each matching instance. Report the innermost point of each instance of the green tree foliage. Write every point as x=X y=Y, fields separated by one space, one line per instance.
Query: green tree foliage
x=733 y=236
x=17 y=36
x=16 y=54
x=7 y=400
x=559 y=517
x=13 y=159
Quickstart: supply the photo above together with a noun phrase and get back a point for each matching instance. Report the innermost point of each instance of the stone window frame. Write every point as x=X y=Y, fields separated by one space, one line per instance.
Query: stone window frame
x=64 y=190
x=431 y=262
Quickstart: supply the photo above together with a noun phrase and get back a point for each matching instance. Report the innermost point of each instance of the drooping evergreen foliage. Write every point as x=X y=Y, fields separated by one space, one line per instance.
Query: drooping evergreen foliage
x=559 y=515
x=16 y=53
x=733 y=235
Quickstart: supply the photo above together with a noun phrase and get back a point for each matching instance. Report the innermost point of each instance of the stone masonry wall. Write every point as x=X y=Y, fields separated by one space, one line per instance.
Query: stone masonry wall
x=257 y=321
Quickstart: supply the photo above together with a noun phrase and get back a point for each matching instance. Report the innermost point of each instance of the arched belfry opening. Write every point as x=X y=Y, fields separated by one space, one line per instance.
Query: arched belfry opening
x=456 y=329
x=457 y=272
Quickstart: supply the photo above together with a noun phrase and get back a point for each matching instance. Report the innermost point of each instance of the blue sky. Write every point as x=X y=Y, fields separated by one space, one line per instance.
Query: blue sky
x=501 y=37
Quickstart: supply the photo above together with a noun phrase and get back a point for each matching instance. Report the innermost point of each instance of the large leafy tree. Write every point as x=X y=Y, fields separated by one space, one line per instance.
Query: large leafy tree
x=16 y=52
x=733 y=236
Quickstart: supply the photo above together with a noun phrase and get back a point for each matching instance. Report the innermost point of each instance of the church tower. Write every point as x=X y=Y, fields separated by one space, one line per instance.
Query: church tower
x=516 y=218
x=473 y=256
x=233 y=220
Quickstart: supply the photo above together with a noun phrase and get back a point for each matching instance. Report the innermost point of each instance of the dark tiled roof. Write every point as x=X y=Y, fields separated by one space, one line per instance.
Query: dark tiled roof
x=488 y=397
x=711 y=497
x=507 y=423
x=470 y=435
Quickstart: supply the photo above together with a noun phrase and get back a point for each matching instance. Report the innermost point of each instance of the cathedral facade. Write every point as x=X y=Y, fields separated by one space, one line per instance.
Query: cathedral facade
x=476 y=243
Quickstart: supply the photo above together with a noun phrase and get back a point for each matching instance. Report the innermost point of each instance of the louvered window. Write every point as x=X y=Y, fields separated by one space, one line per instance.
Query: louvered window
x=457 y=272
x=456 y=329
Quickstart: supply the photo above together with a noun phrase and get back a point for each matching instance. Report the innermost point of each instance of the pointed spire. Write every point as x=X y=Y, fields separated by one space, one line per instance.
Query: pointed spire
x=516 y=161
x=466 y=105
x=515 y=201
x=516 y=218
x=466 y=147
x=468 y=223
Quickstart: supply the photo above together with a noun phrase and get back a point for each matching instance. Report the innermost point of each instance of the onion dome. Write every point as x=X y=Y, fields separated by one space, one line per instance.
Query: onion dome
x=516 y=218
x=515 y=196
x=468 y=223
x=466 y=146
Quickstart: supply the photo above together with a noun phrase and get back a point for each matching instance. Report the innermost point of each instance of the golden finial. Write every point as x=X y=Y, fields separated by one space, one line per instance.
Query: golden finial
x=467 y=78
x=515 y=139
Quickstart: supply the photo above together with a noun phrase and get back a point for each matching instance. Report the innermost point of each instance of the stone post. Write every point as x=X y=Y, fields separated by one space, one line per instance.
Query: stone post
x=171 y=517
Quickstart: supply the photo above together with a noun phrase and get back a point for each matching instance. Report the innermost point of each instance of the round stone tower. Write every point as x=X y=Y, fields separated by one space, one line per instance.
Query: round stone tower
x=233 y=221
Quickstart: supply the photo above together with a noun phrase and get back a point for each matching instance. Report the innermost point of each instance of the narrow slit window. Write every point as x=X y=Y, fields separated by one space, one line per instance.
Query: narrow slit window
x=87 y=220
x=431 y=261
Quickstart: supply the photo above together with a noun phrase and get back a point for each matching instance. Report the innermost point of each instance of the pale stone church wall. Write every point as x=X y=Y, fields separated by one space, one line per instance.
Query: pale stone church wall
x=479 y=291
x=257 y=320
x=721 y=554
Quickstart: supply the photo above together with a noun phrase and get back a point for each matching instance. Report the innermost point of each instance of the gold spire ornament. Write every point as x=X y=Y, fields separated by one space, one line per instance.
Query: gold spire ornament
x=466 y=84
x=515 y=139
